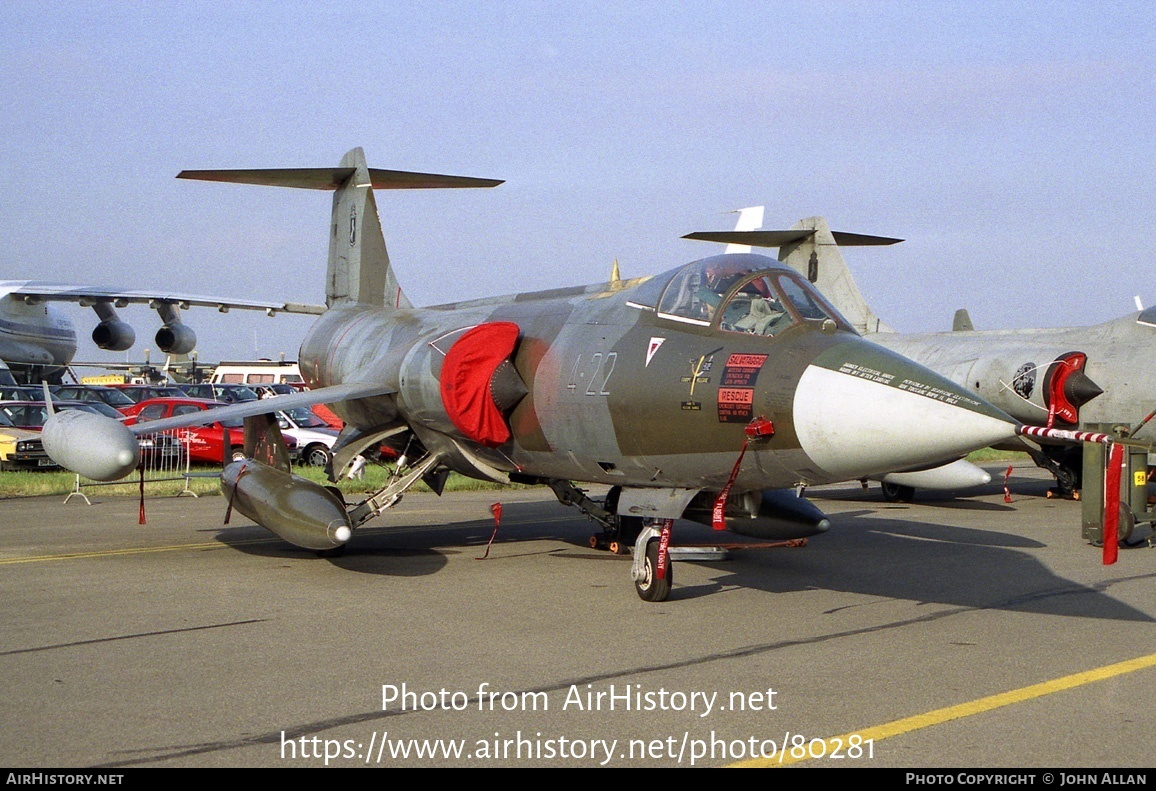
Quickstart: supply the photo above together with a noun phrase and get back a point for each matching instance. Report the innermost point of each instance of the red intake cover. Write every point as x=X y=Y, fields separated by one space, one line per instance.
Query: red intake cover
x=1057 y=376
x=465 y=385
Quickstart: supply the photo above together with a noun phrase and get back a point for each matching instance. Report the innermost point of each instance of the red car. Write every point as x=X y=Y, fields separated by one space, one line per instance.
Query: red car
x=206 y=442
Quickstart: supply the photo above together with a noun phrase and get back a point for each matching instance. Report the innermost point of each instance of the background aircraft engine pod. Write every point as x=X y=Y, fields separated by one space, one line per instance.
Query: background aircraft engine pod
x=462 y=384
x=176 y=338
x=114 y=335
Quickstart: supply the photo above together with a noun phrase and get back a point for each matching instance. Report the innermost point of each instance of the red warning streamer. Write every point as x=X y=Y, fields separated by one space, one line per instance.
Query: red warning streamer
x=664 y=549
x=759 y=428
x=141 y=519
x=1116 y=463
x=496 y=510
x=233 y=494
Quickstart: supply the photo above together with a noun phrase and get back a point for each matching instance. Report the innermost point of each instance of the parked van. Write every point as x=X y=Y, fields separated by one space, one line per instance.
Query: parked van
x=258 y=372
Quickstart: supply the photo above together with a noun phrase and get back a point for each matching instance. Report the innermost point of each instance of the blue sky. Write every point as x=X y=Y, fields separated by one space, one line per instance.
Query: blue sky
x=1011 y=144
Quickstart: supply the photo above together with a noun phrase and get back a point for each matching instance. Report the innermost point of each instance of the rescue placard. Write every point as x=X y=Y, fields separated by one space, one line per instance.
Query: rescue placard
x=734 y=404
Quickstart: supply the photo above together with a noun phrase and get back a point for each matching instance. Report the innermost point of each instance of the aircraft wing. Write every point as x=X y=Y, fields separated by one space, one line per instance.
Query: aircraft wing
x=307 y=398
x=34 y=291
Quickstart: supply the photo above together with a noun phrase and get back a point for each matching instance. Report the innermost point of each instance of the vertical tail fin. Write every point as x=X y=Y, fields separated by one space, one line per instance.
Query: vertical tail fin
x=818 y=259
x=750 y=219
x=359 y=269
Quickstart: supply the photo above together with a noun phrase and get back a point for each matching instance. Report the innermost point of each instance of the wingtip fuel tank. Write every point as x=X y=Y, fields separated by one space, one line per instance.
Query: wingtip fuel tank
x=94 y=446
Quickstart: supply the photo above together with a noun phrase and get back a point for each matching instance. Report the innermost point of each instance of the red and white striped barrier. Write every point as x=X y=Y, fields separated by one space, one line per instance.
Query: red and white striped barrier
x=1064 y=434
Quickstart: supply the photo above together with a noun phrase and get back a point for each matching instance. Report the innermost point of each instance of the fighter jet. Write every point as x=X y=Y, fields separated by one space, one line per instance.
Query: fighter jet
x=1066 y=378
x=37 y=341
x=715 y=391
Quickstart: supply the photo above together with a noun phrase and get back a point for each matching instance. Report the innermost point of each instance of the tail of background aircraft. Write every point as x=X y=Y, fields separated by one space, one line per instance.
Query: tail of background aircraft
x=962 y=321
x=811 y=248
x=750 y=219
x=359 y=269
x=818 y=259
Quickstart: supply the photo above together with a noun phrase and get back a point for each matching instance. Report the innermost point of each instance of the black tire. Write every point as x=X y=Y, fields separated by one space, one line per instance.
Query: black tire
x=650 y=588
x=316 y=456
x=897 y=493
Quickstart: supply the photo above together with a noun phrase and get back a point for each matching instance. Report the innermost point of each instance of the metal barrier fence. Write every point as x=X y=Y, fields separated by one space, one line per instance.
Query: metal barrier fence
x=164 y=457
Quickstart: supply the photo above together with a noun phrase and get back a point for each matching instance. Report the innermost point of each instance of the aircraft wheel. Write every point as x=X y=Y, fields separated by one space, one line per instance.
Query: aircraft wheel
x=594 y=542
x=897 y=493
x=650 y=588
x=316 y=455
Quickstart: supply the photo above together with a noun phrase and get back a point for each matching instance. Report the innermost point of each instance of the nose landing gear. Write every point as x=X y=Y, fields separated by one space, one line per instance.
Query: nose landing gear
x=651 y=569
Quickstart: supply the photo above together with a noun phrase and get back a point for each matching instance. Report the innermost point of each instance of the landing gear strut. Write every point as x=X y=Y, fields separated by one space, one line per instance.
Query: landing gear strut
x=651 y=569
x=1066 y=465
x=618 y=532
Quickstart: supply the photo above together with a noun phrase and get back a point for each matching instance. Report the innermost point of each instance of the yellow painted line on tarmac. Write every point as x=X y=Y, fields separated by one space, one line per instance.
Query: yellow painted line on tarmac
x=825 y=747
x=105 y=553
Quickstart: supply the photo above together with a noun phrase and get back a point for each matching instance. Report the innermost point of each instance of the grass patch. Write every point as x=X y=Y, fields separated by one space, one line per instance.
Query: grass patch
x=203 y=482
x=991 y=454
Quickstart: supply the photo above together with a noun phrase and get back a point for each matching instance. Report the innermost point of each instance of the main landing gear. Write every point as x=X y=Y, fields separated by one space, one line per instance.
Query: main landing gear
x=1067 y=465
x=651 y=569
x=897 y=492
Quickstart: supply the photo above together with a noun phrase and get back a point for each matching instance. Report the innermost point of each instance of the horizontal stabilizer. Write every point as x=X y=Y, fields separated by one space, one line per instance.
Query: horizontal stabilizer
x=755 y=238
x=844 y=239
x=780 y=238
x=334 y=178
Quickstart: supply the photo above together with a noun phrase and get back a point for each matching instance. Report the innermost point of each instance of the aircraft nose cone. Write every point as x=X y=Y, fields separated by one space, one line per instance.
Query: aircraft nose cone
x=1080 y=389
x=861 y=410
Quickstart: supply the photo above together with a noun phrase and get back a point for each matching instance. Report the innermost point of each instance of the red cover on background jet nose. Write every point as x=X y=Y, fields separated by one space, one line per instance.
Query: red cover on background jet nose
x=465 y=385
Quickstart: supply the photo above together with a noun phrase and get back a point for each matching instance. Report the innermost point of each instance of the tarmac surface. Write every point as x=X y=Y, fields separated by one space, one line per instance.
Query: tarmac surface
x=186 y=643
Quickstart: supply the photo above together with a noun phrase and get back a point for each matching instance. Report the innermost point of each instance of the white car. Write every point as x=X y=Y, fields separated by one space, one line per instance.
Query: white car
x=314 y=438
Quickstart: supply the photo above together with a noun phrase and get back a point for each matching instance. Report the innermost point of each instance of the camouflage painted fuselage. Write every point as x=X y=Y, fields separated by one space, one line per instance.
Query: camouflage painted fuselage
x=621 y=394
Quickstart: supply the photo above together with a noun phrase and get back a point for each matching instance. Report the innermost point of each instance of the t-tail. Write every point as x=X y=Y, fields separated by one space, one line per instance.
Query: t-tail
x=818 y=259
x=359 y=269
x=811 y=248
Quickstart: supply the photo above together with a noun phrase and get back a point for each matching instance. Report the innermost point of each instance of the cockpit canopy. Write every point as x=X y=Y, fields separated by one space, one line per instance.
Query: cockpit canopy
x=750 y=294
